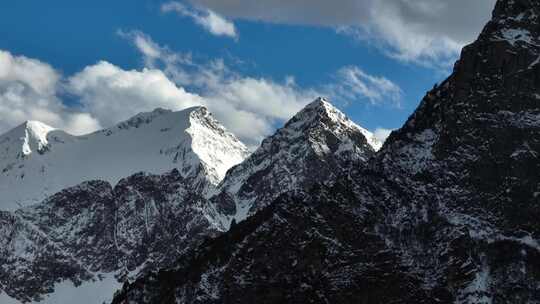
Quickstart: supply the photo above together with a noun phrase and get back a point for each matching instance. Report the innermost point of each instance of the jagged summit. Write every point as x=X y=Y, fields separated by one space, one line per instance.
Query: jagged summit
x=190 y=140
x=30 y=136
x=312 y=147
x=319 y=102
x=321 y=112
x=315 y=114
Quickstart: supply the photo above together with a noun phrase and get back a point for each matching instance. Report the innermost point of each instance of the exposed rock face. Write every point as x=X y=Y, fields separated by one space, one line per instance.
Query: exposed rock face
x=315 y=146
x=27 y=257
x=480 y=130
x=144 y=223
x=446 y=212
x=298 y=250
x=469 y=157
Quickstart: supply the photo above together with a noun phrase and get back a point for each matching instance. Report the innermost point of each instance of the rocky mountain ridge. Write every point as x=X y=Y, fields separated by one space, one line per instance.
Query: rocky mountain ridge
x=446 y=212
x=146 y=222
x=314 y=146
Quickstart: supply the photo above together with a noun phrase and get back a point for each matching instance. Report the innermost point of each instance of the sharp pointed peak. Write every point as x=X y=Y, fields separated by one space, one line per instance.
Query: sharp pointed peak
x=318 y=112
x=34 y=127
x=320 y=103
x=31 y=134
x=37 y=125
x=322 y=114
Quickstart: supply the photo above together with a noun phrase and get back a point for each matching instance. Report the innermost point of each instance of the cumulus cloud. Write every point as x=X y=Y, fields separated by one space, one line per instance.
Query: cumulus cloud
x=208 y=19
x=38 y=76
x=421 y=31
x=260 y=103
x=236 y=100
x=112 y=94
x=107 y=94
x=28 y=91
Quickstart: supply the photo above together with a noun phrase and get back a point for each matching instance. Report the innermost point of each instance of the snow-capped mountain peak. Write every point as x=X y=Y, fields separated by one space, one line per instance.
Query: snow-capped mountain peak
x=317 y=142
x=36 y=137
x=322 y=112
x=212 y=143
x=37 y=160
x=29 y=137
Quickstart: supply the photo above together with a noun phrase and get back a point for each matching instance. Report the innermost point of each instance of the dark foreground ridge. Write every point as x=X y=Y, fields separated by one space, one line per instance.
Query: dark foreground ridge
x=446 y=212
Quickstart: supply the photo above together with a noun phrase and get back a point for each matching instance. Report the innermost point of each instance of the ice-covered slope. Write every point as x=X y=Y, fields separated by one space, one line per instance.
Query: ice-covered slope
x=36 y=160
x=315 y=146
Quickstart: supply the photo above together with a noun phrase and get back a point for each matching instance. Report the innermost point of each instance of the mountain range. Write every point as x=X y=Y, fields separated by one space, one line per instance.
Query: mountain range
x=446 y=212
x=104 y=229
x=169 y=207
x=37 y=160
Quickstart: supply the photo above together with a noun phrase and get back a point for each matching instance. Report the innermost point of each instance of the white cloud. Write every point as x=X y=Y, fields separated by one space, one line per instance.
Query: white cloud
x=208 y=19
x=107 y=94
x=251 y=107
x=112 y=94
x=382 y=134
x=148 y=48
x=28 y=89
x=40 y=77
x=429 y=32
x=160 y=57
x=353 y=84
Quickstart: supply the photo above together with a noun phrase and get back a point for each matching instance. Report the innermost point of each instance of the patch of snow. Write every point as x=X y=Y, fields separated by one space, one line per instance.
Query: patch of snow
x=478 y=290
x=5 y=299
x=512 y=36
x=93 y=292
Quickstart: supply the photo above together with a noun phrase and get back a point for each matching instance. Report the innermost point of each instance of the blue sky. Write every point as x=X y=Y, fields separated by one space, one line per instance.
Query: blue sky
x=298 y=58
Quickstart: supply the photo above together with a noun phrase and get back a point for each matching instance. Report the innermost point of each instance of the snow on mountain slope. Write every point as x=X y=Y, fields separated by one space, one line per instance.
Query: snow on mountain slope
x=447 y=211
x=36 y=160
x=100 y=290
x=145 y=222
x=314 y=146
